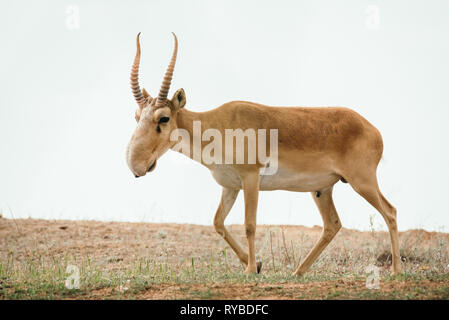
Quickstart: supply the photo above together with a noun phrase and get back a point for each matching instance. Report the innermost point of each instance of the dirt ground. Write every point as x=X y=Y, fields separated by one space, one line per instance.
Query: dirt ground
x=181 y=261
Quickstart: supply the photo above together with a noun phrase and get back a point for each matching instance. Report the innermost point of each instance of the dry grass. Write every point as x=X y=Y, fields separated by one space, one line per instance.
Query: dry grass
x=171 y=261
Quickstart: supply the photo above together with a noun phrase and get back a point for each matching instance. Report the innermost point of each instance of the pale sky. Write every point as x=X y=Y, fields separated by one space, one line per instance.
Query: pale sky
x=67 y=112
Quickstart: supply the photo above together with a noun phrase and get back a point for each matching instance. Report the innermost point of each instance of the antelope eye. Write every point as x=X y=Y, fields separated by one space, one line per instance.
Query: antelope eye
x=164 y=119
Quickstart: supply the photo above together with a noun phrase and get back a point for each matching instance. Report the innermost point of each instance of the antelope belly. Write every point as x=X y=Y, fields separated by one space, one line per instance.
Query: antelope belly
x=284 y=179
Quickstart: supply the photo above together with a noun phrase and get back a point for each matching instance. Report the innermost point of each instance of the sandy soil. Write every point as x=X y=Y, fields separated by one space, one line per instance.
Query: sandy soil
x=116 y=245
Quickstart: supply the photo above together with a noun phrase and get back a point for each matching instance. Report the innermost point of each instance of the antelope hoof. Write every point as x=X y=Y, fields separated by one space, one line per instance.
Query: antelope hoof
x=396 y=272
x=259 y=266
x=252 y=270
x=297 y=274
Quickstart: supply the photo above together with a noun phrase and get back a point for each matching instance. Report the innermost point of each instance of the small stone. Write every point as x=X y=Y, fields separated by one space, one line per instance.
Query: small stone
x=114 y=259
x=161 y=234
x=124 y=288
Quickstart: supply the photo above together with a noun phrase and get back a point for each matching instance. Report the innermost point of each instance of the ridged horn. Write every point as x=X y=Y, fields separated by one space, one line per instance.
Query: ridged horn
x=165 y=87
x=140 y=99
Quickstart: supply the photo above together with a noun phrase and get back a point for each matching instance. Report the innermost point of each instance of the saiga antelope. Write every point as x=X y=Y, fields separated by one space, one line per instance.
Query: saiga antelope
x=317 y=147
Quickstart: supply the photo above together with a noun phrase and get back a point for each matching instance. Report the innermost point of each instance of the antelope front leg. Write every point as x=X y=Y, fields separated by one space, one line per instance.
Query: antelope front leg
x=228 y=197
x=250 y=184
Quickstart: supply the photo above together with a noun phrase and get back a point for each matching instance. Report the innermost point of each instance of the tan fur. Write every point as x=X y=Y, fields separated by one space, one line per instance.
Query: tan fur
x=317 y=148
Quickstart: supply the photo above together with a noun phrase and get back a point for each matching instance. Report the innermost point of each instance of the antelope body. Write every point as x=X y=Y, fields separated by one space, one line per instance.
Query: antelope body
x=317 y=147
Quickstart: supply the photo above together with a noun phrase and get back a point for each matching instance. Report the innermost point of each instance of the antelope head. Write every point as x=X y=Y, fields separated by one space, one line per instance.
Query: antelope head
x=155 y=117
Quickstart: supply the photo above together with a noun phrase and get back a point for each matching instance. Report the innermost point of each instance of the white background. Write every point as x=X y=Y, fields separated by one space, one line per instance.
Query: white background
x=67 y=112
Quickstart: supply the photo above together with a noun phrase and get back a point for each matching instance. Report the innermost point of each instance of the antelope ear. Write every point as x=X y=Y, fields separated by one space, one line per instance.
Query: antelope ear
x=145 y=93
x=179 y=99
